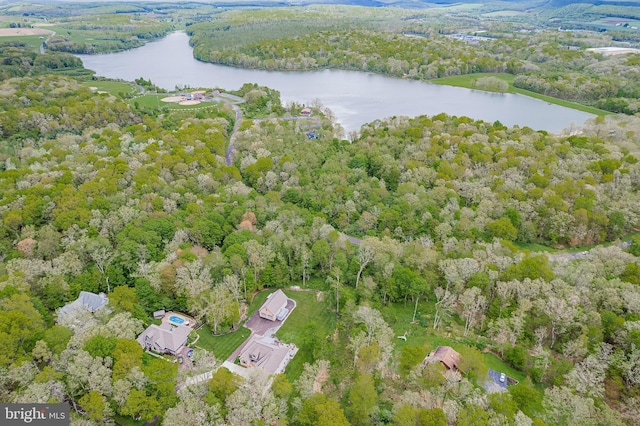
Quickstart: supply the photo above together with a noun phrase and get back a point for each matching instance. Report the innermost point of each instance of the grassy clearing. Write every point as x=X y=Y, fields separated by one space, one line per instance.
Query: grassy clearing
x=115 y=88
x=221 y=346
x=465 y=81
x=496 y=364
x=422 y=334
x=154 y=101
x=308 y=310
x=33 y=41
x=532 y=247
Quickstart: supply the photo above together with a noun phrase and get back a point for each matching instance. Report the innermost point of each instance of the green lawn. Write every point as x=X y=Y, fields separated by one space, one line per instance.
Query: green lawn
x=152 y=101
x=221 y=346
x=114 y=87
x=465 y=81
x=534 y=247
x=33 y=41
x=308 y=310
x=496 y=364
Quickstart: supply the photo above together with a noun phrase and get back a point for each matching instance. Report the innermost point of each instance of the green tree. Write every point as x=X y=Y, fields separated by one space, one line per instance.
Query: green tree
x=318 y=410
x=96 y=406
x=100 y=346
x=141 y=407
x=222 y=384
x=20 y=326
x=525 y=395
x=502 y=228
x=472 y=362
x=127 y=354
x=432 y=417
x=57 y=338
x=473 y=415
x=503 y=403
x=363 y=399
x=123 y=299
x=410 y=356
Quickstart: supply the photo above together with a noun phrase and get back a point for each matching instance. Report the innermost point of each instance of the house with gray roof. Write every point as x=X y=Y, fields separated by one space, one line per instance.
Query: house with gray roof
x=267 y=353
x=275 y=307
x=164 y=338
x=86 y=301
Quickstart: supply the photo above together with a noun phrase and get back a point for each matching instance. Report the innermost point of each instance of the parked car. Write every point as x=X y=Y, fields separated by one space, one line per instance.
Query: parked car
x=503 y=377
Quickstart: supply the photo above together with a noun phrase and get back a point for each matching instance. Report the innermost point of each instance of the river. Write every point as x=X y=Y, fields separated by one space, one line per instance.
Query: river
x=354 y=97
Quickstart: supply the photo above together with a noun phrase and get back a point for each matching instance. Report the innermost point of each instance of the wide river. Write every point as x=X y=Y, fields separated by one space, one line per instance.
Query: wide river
x=354 y=97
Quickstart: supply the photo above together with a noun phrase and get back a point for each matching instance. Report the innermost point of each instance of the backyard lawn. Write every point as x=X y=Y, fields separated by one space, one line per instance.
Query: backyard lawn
x=221 y=346
x=308 y=310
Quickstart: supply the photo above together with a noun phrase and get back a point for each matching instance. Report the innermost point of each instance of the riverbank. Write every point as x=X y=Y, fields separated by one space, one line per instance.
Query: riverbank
x=467 y=79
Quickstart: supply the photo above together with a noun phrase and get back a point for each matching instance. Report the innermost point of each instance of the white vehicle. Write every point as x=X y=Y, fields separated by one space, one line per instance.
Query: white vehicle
x=503 y=377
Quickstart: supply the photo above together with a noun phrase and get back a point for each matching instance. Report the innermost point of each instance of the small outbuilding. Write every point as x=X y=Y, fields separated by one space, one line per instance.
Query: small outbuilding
x=305 y=111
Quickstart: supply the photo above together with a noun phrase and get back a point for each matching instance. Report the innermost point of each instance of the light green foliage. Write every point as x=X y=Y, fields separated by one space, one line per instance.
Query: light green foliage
x=363 y=399
x=98 y=196
x=491 y=84
x=319 y=410
x=123 y=299
x=472 y=362
x=410 y=357
x=222 y=384
x=57 y=338
x=473 y=415
x=95 y=405
x=20 y=325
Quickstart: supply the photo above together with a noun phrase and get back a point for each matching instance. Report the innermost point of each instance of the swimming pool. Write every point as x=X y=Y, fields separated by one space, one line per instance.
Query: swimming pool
x=176 y=319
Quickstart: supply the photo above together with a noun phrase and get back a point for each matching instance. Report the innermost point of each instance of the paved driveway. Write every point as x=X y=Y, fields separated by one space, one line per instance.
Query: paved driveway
x=265 y=327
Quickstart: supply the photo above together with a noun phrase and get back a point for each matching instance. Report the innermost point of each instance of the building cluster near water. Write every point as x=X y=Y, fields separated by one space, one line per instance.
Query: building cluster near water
x=469 y=38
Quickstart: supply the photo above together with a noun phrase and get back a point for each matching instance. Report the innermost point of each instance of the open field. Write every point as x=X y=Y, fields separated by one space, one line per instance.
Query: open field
x=115 y=88
x=503 y=14
x=308 y=310
x=8 y=32
x=33 y=41
x=465 y=81
x=155 y=101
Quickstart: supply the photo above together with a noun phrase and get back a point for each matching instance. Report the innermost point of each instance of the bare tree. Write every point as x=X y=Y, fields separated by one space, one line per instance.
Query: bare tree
x=444 y=305
x=366 y=254
x=473 y=302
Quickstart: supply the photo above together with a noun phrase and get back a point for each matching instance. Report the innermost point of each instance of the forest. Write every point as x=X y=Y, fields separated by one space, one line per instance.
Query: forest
x=410 y=44
x=517 y=248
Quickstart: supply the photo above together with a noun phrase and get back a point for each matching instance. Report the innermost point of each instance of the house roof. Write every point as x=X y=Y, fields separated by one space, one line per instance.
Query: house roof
x=266 y=353
x=165 y=336
x=275 y=302
x=86 y=301
x=446 y=355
